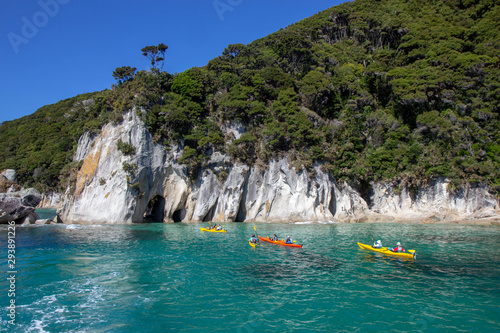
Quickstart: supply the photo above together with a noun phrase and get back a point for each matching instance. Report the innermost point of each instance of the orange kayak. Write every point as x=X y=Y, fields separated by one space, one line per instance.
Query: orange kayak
x=279 y=242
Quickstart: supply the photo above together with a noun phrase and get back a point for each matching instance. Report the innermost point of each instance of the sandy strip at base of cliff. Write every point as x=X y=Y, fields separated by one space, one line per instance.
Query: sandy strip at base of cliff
x=427 y=220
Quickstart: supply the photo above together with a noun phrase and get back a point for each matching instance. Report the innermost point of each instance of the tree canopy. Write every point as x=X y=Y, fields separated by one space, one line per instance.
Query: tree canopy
x=124 y=73
x=156 y=55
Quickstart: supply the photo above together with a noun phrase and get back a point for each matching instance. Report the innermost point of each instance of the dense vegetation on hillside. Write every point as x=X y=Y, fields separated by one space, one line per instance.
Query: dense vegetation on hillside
x=40 y=146
x=391 y=90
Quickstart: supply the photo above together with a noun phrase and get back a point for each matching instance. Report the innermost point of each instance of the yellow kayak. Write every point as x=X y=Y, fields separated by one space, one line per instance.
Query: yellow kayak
x=251 y=244
x=384 y=250
x=212 y=230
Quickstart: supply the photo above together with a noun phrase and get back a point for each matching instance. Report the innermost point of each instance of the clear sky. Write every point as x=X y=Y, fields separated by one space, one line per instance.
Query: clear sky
x=55 y=49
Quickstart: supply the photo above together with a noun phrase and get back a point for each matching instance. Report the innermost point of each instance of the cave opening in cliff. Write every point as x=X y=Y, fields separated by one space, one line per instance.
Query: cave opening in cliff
x=210 y=214
x=155 y=209
x=177 y=216
x=332 y=206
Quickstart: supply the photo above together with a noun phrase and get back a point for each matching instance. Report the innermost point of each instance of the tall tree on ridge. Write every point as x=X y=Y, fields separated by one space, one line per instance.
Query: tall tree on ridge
x=156 y=54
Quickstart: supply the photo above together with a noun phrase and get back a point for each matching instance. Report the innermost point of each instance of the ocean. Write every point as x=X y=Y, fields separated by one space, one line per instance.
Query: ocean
x=173 y=277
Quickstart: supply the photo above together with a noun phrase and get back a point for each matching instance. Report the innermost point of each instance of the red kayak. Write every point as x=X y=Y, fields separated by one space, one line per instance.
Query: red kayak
x=279 y=242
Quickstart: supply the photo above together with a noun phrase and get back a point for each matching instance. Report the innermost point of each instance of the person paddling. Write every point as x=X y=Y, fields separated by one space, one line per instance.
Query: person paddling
x=398 y=248
x=253 y=239
x=274 y=238
x=377 y=244
x=288 y=240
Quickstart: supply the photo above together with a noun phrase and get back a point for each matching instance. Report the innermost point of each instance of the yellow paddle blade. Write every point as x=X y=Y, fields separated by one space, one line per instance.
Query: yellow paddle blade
x=411 y=251
x=254 y=227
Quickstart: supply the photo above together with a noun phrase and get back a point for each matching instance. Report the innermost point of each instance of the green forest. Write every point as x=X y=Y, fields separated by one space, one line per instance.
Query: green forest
x=392 y=91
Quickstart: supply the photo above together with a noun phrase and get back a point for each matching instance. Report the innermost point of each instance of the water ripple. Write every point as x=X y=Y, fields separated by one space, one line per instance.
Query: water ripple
x=172 y=277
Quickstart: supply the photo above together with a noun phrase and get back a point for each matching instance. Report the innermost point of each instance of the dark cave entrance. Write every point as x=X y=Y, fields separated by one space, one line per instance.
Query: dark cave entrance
x=178 y=216
x=155 y=209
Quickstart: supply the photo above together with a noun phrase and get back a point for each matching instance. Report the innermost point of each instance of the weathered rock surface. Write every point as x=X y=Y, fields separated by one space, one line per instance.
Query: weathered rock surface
x=50 y=200
x=157 y=188
x=31 y=219
x=43 y=222
x=19 y=206
x=85 y=143
x=9 y=174
x=434 y=201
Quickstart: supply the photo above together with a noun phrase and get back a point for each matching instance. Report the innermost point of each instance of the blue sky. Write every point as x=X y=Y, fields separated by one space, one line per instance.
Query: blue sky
x=55 y=49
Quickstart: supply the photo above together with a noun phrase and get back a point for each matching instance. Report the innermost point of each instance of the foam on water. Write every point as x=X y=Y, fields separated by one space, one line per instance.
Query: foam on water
x=316 y=222
x=75 y=226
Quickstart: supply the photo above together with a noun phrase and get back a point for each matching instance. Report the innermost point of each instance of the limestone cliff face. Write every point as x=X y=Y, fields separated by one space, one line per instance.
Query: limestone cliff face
x=156 y=188
x=434 y=201
x=105 y=192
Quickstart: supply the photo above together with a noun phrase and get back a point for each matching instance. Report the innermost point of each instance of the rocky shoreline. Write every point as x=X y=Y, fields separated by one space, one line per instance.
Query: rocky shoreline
x=478 y=222
x=19 y=205
x=459 y=221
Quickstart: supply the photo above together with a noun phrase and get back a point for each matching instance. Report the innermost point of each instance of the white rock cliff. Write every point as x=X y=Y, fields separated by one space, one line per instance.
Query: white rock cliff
x=160 y=190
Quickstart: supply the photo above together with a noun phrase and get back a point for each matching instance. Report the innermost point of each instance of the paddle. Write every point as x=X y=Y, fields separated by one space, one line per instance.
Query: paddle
x=255 y=233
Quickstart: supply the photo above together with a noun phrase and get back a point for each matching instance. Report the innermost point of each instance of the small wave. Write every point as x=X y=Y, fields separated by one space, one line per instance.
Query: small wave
x=316 y=222
x=143 y=300
x=74 y=227
x=37 y=327
x=80 y=226
x=50 y=299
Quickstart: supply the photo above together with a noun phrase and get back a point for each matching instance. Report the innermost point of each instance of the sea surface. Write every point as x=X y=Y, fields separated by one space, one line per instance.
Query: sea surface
x=173 y=277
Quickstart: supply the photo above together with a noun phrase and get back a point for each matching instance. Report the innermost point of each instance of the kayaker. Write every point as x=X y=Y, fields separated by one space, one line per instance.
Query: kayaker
x=274 y=238
x=377 y=244
x=288 y=240
x=398 y=248
x=253 y=239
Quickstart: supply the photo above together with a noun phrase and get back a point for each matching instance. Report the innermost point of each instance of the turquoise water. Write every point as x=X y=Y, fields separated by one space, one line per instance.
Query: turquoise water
x=172 y=277
x=46 y=213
